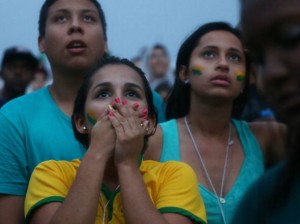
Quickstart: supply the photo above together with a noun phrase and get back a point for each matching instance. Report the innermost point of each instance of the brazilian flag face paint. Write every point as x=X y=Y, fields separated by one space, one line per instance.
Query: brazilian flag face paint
x=91 y=117
x=197 y=70
x=240 y=76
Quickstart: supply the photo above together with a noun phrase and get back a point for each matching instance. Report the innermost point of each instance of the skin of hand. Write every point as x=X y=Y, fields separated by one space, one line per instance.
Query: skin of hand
x=130 y=131
x=103 y=136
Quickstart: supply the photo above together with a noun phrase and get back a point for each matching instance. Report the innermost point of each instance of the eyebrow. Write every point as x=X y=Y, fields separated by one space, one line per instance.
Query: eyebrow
x=127 y=85
x=63 y=10
x=133 y=85
x=231 y=49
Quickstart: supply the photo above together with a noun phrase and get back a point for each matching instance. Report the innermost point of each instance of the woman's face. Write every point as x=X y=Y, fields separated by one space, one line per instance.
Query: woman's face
x=217 y=66
x=273 y=36
x=114 y=84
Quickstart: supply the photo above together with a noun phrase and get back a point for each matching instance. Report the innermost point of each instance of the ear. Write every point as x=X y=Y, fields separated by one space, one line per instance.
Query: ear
x=183 y=73
x=41 y=44
x=151 y=126
x=80 y=124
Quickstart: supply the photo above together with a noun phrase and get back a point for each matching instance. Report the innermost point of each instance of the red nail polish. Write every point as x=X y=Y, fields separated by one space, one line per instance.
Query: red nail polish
x=117 y=100
x=124 y=102
x=111 y=114
x=136 y=106
x=144 y=111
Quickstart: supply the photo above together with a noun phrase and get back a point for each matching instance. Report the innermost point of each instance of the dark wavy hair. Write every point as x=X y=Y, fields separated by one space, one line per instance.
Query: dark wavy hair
x=178 y=100
x=45 y=10
x=80 y=100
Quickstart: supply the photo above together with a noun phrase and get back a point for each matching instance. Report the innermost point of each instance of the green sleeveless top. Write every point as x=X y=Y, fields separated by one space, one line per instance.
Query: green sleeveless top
x=252 y=168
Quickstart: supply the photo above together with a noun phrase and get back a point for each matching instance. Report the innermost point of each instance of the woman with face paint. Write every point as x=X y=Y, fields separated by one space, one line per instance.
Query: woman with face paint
x=205 y=131
x=113 y=117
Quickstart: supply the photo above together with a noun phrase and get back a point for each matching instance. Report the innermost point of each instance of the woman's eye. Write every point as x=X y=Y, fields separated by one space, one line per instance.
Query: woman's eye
x=132 y=94
x=208 y=54
x=103 y=94
x=234 y=57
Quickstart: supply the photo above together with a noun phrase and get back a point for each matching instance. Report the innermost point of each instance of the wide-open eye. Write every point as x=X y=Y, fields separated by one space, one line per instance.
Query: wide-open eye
x=60 y=18
x=132 y=93
x=209 y=54
x=103 y=94
x=89 y=18
x=235 y=57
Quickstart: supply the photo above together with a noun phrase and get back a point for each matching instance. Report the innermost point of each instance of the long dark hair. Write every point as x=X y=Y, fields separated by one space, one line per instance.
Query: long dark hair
x=178 y=100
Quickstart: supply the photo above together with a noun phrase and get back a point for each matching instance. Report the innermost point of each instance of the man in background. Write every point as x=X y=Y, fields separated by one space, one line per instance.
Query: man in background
x=17 y=71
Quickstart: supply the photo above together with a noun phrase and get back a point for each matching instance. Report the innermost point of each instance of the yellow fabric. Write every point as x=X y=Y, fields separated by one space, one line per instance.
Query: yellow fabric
x=172 y=186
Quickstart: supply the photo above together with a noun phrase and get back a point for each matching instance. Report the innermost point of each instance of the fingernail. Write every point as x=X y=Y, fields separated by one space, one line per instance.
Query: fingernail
x=111 y=114
x=144 y=111
x=117 y=100
x=124 y=102
x=136 y=106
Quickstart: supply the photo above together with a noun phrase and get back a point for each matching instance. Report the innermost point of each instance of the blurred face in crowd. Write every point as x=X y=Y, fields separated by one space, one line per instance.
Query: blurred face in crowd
x=17 y=74
x=158 y=63
x=272 y=33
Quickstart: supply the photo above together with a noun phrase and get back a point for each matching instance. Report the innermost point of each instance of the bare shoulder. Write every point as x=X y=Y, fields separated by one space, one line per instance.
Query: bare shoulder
x=267 y=129
x=272 y=137
x=154 y=148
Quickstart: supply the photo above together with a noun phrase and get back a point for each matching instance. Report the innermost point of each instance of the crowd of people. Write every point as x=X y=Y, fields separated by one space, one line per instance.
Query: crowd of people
x=102 y=139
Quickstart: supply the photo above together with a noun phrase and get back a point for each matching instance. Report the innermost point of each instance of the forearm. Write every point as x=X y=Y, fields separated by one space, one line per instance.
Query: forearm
x=137 y=205
x=80 y=206
x=11 y=209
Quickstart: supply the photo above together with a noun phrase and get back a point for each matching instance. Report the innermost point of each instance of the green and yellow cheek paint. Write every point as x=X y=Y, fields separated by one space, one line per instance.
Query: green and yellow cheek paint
x=197 y=70
x=240 y=76
x=91 y=117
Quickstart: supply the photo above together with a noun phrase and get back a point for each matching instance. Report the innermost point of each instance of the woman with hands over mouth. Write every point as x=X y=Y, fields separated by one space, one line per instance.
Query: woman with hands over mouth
x=113 y=118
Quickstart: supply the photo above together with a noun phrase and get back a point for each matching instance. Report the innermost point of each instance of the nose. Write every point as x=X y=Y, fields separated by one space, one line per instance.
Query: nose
x=223 y=63
x=75 y=26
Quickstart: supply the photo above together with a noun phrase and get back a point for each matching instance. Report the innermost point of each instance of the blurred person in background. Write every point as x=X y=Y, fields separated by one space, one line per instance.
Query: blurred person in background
x=17 y=71
x=41 y=79
x=271 y=31
x=158 y=69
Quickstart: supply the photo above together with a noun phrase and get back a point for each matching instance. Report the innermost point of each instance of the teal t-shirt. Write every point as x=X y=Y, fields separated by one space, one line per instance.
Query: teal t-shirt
x=33 y=129
x=252 y=168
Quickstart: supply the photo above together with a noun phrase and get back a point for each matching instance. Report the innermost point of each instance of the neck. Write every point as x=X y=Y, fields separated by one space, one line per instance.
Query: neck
x=210 y=120
x=64 y=89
